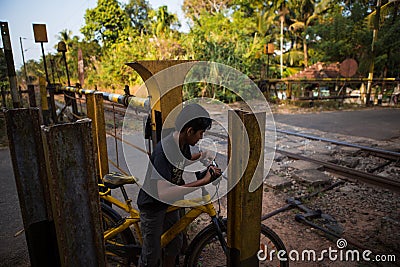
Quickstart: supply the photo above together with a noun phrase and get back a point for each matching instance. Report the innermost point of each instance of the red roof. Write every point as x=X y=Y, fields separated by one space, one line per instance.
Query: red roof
x=318 y=70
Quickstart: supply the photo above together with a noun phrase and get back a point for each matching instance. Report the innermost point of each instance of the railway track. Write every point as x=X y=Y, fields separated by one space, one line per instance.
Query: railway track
x=391 y=157
x=349 y=173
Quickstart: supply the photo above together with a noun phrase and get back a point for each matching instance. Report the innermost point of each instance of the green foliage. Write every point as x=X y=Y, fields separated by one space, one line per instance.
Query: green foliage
x=162 y=21
x=105 y=23
x=138 y=13
x=232 y=32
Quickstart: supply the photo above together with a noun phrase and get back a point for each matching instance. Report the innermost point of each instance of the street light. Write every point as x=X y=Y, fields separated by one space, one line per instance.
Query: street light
x=62 y=47
x=23 y=60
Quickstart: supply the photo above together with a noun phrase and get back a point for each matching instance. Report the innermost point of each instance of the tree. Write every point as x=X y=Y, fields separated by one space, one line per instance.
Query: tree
x=337 y=37
x=306 y=12
x=106 y=23
x=163 y=20
x=138 y=13
x=194 y=8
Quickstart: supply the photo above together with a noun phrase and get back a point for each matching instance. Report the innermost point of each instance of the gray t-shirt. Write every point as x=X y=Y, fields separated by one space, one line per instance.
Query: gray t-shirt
x=161 y=167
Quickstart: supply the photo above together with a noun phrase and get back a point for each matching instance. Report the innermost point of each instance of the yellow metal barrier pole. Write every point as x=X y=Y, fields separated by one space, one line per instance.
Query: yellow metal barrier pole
x=101 y=136
x=95 y=111
x=43 y=100
x=91 y=114
x=244 y=207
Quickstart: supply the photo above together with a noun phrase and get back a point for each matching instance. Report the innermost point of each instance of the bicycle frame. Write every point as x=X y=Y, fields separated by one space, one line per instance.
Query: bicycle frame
x=134 y=216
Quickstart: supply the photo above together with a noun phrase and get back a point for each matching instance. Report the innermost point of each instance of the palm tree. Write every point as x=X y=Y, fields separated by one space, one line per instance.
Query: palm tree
x=66 y=37
x=164 y=20
x=306 y=11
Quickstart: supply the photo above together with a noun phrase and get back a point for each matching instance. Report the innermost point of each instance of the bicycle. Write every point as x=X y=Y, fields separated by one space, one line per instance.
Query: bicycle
x=207 y=248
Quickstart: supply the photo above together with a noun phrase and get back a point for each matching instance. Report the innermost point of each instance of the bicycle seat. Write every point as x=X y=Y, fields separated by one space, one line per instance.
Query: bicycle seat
x=115 y=179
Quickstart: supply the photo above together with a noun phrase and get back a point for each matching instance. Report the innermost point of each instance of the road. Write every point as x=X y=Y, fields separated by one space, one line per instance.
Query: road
x=379 y=124
x=13 y=250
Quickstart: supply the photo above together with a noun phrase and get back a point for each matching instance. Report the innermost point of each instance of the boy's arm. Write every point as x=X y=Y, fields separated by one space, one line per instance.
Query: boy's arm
x=170 y=193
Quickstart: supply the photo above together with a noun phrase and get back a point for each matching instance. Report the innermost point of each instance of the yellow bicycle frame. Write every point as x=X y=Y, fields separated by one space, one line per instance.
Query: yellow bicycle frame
x=134 y=216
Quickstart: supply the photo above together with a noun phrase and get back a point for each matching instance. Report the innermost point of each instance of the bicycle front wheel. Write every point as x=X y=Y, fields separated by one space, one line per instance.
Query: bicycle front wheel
x=119 y=247
x=205 y=250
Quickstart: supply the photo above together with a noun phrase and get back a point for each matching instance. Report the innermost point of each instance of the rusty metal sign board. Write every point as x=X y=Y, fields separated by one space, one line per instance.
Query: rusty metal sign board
x=40 y=33
x=348 y=67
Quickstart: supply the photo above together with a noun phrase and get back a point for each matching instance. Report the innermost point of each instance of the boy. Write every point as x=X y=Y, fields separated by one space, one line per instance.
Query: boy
x=168 y=159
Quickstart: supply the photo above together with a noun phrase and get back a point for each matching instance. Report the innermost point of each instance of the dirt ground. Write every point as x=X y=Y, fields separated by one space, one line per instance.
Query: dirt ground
x=369 y=216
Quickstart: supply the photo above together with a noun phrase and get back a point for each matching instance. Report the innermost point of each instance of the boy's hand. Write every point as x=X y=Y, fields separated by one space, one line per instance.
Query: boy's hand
x=214 y=172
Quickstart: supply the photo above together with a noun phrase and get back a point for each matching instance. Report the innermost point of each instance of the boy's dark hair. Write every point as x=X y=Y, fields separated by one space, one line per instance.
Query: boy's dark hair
x=195 y=116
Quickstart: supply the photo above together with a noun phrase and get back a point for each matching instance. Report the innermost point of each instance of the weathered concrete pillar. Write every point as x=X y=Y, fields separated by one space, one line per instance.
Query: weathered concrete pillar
x=246 y=132
x=27 y=154
x=74 y=193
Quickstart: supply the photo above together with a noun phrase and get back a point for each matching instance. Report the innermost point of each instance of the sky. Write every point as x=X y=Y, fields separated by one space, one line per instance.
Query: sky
x=57 y=15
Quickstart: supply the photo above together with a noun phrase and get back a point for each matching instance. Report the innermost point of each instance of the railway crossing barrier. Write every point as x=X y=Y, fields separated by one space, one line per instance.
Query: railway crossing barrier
x=69 y=159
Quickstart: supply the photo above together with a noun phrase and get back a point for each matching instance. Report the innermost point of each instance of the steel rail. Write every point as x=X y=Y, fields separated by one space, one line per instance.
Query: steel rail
x=384 y=182
x=128 y=143
x=117 y=109
x=384 y=153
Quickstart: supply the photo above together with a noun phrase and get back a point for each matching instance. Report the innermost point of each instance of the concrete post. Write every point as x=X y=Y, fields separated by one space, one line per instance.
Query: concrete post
x=27 y=154
x=5 y=34
x=74 y=193
x=32 y=97
x=244 y=207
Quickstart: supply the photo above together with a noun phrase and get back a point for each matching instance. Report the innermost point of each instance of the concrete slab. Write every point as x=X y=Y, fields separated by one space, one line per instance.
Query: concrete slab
x=277 y=182
x=304 y=165
x=351 y=151
x=350 y=162
x=319 y=148
x=311 y=177
x=323 y=157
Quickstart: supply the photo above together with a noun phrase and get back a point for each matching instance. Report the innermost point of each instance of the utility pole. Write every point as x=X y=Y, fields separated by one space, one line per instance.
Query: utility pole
x=374 y=39
x=5 y=34
x=23 y=60
x=282 y=15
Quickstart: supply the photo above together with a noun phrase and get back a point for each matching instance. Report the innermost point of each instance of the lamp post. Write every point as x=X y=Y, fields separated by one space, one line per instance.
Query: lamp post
x=23 y=60
x=62 y=47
